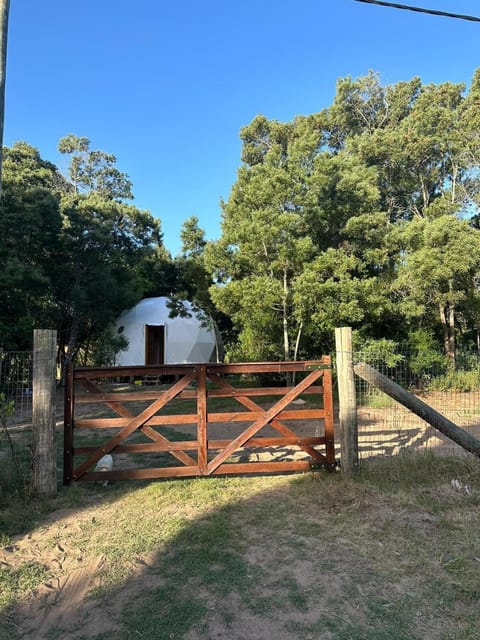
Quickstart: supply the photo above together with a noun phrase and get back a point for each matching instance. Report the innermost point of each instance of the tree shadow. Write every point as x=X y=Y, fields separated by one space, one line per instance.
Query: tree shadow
x=264 y=560
x=166 y=591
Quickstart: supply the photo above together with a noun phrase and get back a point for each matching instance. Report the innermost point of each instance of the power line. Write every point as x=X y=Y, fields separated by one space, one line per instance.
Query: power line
x=433 y=12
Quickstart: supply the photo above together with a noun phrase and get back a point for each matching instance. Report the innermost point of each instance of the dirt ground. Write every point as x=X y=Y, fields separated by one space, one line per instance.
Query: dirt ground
x=64 y=601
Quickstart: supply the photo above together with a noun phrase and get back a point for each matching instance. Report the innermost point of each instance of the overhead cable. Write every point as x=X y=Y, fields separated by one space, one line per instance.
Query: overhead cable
x=433 y=12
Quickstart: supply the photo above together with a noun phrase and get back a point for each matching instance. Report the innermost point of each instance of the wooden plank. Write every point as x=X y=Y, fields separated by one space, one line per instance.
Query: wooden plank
x=147 y=447
x=115 y=423
x=244 y=416
x=265 y=419
x=134 y=424
x=102 y=396
x=266 y=367
x=138 y=371
x=263 y=467
x=258 y=391
x=183 y=472
x=329 y=418
x=184 y=419
x=141 y=474
x=184 y=369
x=202 y=419
x=192 y=445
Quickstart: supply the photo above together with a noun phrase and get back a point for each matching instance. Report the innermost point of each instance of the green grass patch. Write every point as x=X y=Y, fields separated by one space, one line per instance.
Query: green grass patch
x=18 y=582
x=375 y=399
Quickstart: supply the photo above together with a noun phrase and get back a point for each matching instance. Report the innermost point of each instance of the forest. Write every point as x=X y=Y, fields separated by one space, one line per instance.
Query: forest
x=363 y=214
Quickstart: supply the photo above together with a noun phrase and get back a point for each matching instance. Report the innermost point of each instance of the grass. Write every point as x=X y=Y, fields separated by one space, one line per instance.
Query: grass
x=375 y=399
x=394 y=553
x=20 y=581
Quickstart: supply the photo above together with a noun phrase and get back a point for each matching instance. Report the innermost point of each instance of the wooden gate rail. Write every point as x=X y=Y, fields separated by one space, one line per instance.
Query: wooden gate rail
x=202 y=383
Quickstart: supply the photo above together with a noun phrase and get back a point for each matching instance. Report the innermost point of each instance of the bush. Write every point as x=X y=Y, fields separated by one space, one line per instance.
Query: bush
x=457 y=380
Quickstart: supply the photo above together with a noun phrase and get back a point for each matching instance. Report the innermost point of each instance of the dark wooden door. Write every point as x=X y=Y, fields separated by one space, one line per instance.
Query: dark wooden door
x=154 y=344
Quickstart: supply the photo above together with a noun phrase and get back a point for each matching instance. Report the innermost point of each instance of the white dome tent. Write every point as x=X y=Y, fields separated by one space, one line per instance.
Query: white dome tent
x=156 y=338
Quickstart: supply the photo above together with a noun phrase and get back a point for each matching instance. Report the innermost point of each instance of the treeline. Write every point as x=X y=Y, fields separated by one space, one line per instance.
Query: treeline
x=74 y=253
x=365 y=214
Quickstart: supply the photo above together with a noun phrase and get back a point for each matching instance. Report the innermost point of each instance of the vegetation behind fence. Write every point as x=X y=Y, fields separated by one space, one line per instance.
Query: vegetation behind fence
x=386 y=427
x=16 y=387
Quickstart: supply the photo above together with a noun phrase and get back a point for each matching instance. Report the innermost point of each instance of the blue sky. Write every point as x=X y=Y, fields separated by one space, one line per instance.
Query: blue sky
x=167 y=86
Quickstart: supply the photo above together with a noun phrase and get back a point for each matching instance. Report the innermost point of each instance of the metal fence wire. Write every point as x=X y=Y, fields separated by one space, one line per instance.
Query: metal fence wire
x=387 y=428
x=16 y=387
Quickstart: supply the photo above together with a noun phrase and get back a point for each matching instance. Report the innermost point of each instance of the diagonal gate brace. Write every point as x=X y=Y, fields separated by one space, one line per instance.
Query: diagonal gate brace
x=267 y=417
x=136 y=423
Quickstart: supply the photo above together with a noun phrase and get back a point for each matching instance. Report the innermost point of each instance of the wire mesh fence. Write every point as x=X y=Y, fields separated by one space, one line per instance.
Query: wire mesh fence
x=387 y=428
x=15 y=387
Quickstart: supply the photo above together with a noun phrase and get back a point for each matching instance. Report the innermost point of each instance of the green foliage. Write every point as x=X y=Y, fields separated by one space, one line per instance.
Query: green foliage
x=102 y=244
x=103 y=349
x=30 y=223
x=15 y=461
x=457 y=380
x=94 y=170
x=354 y=216
x=424 y=356
x=364 y=214
x=77 y=258
x=378 y=352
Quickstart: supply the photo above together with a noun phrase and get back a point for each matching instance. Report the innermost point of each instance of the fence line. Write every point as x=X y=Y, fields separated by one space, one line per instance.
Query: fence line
x=16 y=387
x=387 y=428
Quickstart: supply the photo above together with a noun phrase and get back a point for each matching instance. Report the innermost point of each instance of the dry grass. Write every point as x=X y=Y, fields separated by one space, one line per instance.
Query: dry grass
x=393 y=554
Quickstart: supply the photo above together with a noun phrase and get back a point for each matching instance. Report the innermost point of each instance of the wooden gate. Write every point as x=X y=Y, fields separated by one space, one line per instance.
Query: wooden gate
x=204 y=418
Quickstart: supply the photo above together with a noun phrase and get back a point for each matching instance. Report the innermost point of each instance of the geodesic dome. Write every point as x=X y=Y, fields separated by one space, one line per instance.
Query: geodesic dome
x=155 y=338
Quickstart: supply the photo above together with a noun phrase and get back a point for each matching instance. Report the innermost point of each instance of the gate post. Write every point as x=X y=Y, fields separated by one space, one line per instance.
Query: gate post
x=43 y=413
x=347 y=401
x=68 y=424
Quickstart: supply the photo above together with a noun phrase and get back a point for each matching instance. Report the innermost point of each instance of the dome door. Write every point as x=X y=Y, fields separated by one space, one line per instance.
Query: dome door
x=154 y=344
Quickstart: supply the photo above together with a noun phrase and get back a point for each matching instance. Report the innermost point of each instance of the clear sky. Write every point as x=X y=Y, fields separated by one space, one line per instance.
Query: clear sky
x=166 y=86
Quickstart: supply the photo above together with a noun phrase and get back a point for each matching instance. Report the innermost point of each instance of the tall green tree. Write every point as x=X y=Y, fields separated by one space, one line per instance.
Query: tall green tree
x=315 y=230
x=288 y=206
x=94 y=171
x=438 y=273
x=30 y=223
x=104 y=245
x=103 y=242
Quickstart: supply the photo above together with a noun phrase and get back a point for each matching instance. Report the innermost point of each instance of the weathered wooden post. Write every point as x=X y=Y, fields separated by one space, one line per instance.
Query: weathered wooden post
x=43 y=418
x=347 y=401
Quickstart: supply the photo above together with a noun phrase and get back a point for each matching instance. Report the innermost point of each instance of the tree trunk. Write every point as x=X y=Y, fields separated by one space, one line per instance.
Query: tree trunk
x=447 y=320
x=4 y=11
x=286 y=341
x=72 y=339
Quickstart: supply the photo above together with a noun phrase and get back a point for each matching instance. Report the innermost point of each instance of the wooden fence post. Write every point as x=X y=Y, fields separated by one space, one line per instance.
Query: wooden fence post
x=43 y=418
x=347 y=401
